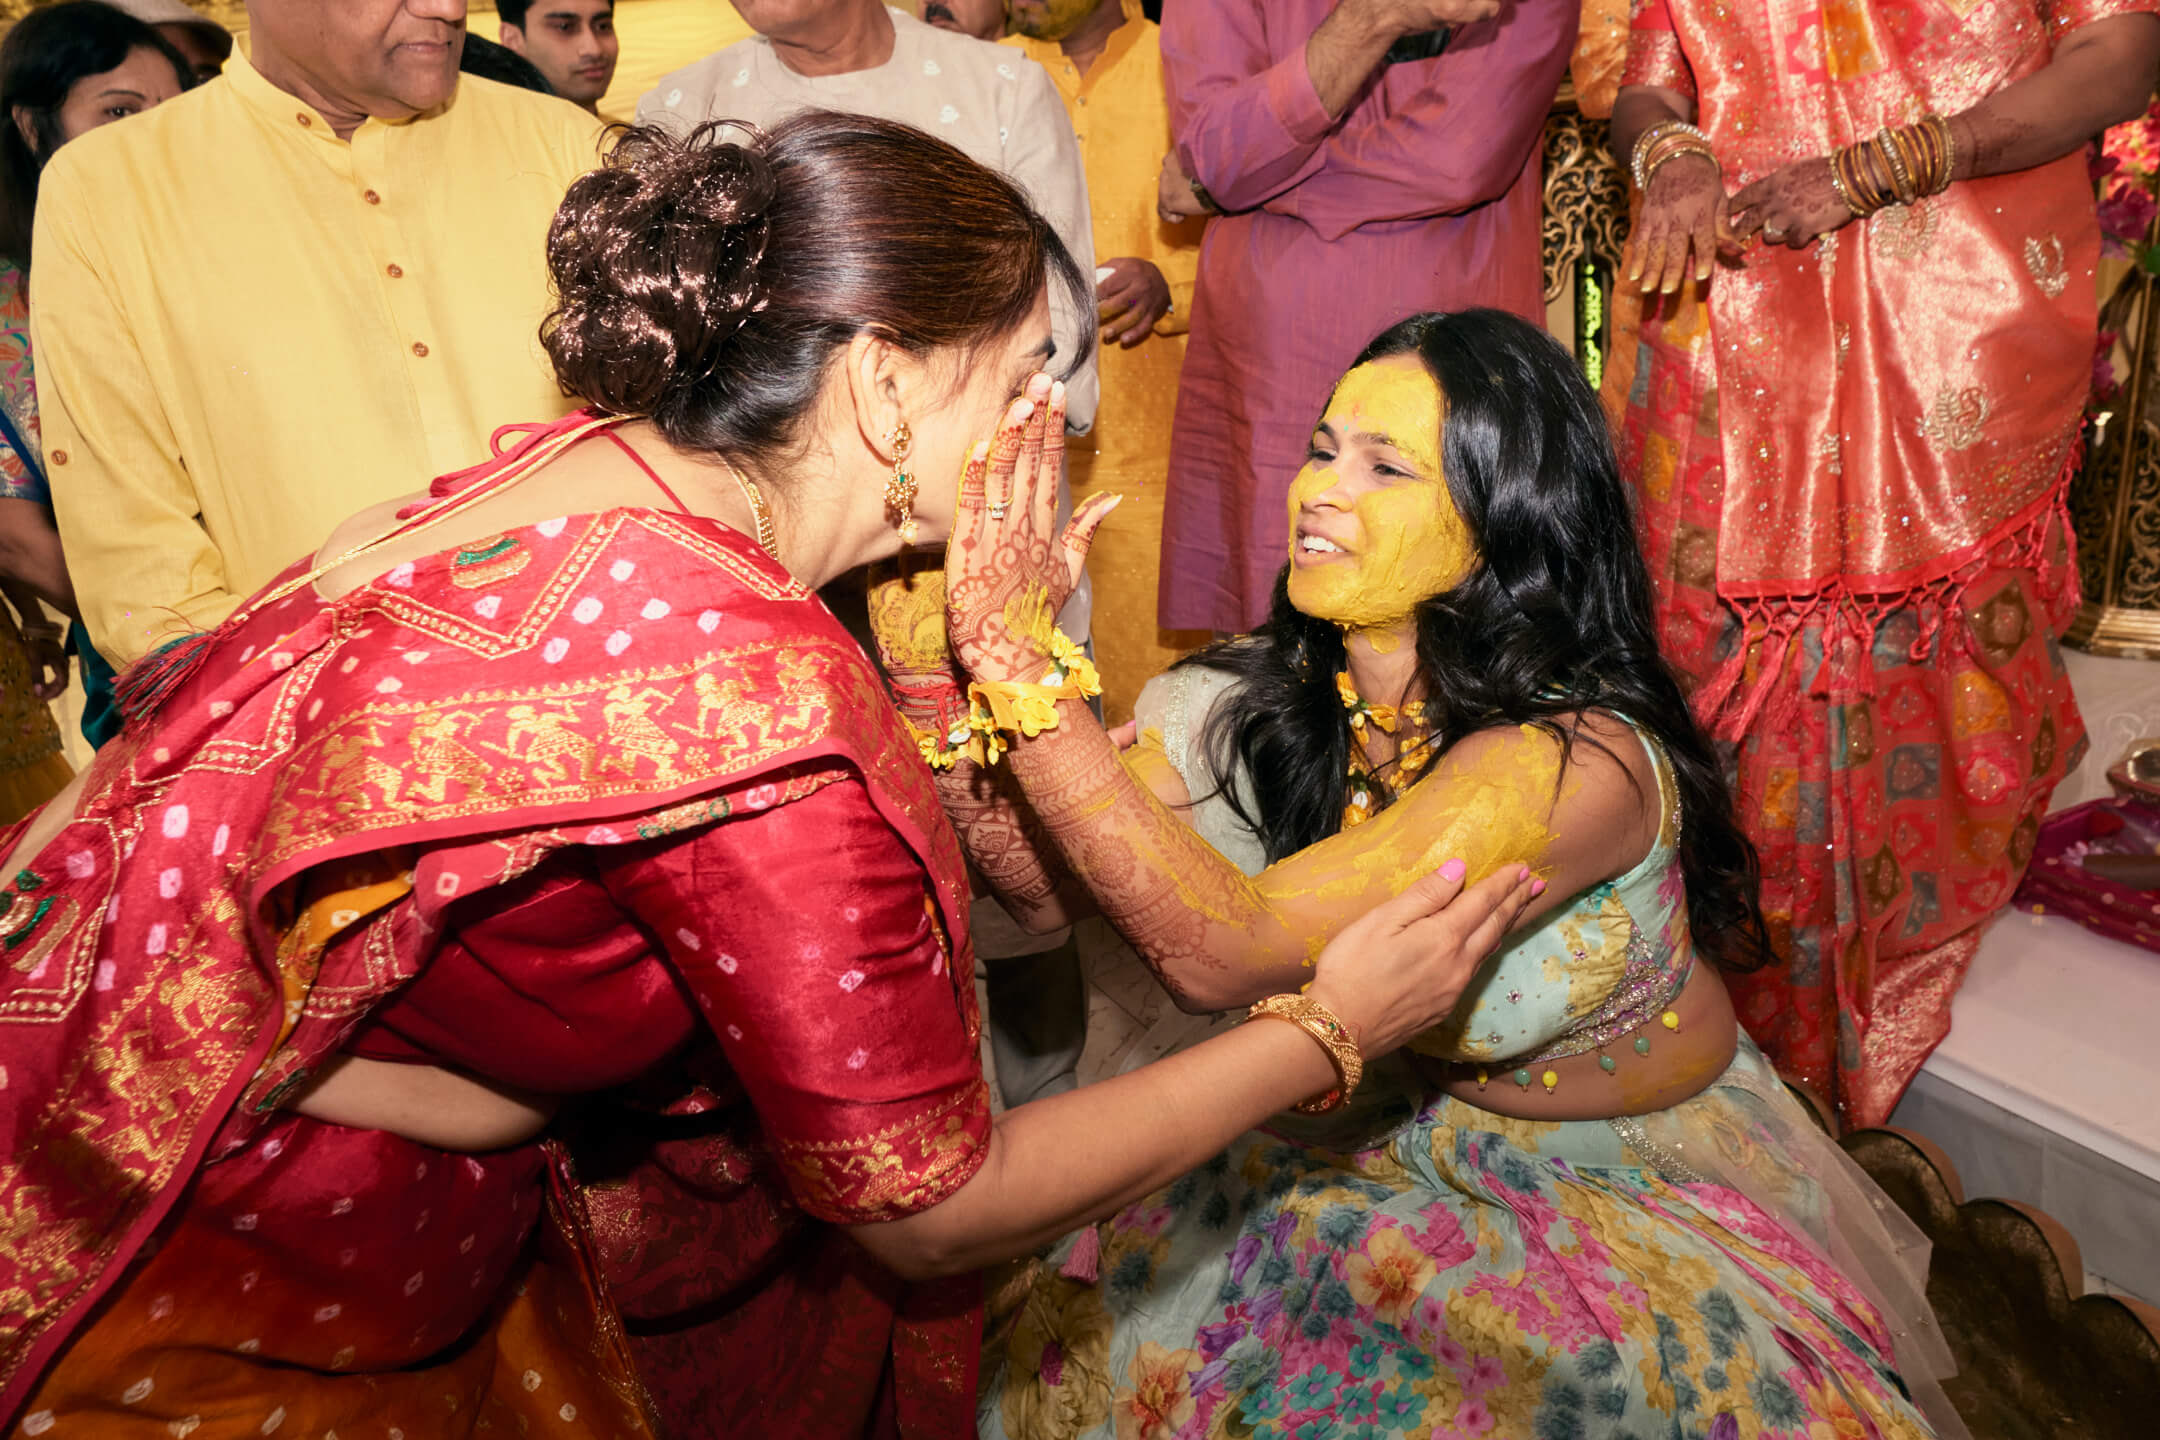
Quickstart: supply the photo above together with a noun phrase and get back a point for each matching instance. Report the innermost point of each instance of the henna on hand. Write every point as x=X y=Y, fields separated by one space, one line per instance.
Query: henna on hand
x=1681 y=214
x=1795 y=206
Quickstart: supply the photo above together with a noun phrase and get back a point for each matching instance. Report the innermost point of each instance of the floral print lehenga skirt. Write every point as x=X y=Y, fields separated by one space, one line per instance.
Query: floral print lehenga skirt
x=1432 y=1269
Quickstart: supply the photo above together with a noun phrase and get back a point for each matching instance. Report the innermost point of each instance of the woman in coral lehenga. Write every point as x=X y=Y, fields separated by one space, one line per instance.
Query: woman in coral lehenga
x=1852 y=444
x=552 y=831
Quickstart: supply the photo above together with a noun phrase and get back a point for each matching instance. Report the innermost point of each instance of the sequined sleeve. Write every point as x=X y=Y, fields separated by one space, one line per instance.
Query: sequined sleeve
x=807 y=937
x=1654 y=56
x=2064 y=16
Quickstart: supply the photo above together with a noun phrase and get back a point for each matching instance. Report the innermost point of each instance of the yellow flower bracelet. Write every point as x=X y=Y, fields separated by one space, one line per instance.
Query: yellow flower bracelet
x=997 y=708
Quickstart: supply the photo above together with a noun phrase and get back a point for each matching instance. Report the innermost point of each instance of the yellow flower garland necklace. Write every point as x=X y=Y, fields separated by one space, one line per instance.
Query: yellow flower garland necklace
x=1368 y=789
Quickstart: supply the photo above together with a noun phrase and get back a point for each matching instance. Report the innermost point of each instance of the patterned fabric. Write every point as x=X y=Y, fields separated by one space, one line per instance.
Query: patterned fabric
x=470 y=758
x=1431 y=1269
x=21 y=477
x=29 y=740
x=1954 y=350
x=1859 y=559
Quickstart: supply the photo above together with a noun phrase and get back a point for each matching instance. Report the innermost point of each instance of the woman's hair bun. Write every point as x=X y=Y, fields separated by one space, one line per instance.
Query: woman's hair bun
x=655 y=259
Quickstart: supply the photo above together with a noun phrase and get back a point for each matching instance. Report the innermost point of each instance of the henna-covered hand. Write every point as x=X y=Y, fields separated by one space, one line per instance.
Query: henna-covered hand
x=1795 y=206
x=1683 y=213
x=1008 y=570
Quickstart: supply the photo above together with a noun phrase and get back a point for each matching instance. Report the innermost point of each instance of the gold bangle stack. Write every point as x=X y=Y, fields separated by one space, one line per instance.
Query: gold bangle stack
x=1897 y=167
x=1667 y=140
x=1333 y=1036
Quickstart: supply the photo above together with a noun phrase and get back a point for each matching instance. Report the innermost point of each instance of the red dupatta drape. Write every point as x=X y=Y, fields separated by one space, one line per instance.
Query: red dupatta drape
x=468 y=714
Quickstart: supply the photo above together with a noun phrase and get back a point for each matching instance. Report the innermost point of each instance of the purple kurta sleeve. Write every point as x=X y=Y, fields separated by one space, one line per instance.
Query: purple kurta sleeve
x=1461 y=139
x=1246 y=124
x=1434 y=138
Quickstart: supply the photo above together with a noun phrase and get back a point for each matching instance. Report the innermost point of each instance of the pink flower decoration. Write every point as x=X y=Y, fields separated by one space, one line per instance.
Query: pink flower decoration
x=2105 y=386
x=2126 y=215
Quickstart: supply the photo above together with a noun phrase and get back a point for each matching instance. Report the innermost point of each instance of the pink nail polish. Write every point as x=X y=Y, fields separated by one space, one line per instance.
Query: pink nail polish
x=1453 y=870
x=1537 y=888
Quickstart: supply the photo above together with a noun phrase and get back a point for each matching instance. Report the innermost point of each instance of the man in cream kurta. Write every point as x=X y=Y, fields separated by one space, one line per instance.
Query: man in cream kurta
x=997 y=107
x=1001 y=110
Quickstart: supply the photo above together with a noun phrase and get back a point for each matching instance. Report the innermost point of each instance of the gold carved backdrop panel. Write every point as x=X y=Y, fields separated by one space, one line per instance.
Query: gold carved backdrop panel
x=1585 y=225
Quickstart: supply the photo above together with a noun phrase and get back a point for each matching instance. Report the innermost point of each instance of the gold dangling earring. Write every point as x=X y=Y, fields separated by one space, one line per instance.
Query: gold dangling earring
x=901 y=487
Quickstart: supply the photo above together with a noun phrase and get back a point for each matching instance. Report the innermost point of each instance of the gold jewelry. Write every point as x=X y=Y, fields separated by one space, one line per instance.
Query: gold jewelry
x=1837 y=183
x=1657 y=136
x=900 y=489
x=1858 y=172
x=1886 y=144
x=1316 y=1020
x=1672 y=148
x=766 y=539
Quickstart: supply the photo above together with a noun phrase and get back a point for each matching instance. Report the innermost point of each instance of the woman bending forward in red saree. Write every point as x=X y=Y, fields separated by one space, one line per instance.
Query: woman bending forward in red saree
x=552 y=820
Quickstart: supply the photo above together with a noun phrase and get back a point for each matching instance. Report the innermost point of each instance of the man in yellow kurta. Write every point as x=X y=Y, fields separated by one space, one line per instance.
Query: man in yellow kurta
x=296 y=291
x=1107 y=66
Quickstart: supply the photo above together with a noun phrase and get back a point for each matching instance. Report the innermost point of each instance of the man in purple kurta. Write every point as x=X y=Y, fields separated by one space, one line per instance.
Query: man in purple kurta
x=1356 y=192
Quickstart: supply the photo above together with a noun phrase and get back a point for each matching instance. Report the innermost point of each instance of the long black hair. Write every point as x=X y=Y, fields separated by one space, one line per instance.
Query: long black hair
x=47 y=52
x=1554 y=620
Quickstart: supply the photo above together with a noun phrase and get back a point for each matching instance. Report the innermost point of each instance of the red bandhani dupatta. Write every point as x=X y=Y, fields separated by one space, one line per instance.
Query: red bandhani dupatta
x=590 y=680
x=1894 y=406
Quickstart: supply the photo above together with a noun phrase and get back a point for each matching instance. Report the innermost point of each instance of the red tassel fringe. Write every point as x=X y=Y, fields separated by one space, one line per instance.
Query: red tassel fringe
x=142 y=688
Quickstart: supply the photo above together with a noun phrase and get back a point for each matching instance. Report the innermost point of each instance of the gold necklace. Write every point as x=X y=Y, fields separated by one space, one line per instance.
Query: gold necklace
x=766 y=538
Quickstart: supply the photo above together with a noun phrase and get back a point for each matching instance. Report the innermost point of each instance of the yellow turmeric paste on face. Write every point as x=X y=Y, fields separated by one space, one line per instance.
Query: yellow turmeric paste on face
x=1411 y=543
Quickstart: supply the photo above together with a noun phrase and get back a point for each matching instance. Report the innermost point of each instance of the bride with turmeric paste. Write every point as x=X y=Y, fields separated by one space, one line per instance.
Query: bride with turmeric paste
x=1584 y=1205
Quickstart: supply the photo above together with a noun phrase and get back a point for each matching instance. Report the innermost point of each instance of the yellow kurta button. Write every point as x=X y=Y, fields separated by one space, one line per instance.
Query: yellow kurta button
x=419 y=348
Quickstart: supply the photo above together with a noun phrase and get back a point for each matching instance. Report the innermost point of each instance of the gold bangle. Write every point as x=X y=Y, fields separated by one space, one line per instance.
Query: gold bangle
x=1948 y=140
x=1679 y=146
x=1837 y=183
x=1316 y=1020
x=1651 y=138
x=1900 y=178
x=1857 y=163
